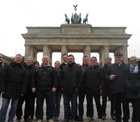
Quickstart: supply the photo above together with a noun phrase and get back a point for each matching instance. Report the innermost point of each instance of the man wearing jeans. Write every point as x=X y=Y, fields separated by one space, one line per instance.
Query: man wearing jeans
x=44 y=83
x=71 y=77
x=13 y=86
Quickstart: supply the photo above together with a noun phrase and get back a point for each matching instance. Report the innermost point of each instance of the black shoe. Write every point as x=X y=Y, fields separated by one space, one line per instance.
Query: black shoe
x=79 y=118
x=118 y=121
x=125 y=121
x=72 y=120
x=65 y=120
x=113 y=117
x=92 y=119
x=28 y=120
x=103 y=117
x=18 y=120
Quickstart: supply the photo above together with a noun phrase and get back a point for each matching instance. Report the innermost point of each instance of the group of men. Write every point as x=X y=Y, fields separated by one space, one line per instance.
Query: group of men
x=21 y=82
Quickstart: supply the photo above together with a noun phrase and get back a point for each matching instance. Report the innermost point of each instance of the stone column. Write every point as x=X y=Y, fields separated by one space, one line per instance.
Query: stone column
x=64 y=49
x=35 y=54
x=106 y=52
x=27 y=51
x=51 y=51
x=119 y=49
x=87 y=51
x=125 y=55
x=32 y=52
x=102 y=56
x=46 y=50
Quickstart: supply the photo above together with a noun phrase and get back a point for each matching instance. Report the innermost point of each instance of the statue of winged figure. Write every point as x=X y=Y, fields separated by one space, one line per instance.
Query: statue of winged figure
x=75 y=7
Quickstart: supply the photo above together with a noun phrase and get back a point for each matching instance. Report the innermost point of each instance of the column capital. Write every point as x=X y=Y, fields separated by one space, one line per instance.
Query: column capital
x=27 y=45
x=125 y=45
x=105 y=45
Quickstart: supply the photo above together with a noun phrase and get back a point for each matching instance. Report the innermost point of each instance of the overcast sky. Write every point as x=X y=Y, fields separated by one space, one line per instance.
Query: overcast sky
x=16 y=15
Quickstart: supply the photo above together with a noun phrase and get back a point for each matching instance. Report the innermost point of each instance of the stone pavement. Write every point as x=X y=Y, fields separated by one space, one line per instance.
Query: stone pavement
x=108 y=117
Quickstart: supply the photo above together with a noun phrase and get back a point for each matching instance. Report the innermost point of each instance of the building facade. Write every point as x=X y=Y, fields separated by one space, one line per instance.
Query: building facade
x=76 y=38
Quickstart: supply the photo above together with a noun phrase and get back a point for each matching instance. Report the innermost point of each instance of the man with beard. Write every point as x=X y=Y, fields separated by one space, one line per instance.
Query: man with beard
x=71 y=78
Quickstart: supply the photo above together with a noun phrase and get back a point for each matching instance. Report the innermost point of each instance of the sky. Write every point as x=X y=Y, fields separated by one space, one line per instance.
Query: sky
x=16 y=15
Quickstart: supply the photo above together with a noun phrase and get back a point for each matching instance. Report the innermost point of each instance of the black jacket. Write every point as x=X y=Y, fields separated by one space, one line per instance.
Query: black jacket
x=29 y=73
x=133 y=85
x=2 y=72
x=44 y=78
x=93 y=78
x=106 y=80
x=71 y=77
x=15 y=81
x=118 y=85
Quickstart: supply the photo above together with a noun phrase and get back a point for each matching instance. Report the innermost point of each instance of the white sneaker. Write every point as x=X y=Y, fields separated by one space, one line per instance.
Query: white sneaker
x=88 y=119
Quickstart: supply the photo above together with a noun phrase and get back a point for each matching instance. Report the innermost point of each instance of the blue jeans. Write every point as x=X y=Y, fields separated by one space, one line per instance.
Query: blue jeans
x=70 y=112
x=41 y=95
x=4 y=107
x=56 y=103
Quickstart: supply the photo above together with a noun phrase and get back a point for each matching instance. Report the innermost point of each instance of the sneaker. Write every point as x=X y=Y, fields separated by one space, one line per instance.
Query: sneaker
x=88 y=119
x=99 y=120
x=50 y=120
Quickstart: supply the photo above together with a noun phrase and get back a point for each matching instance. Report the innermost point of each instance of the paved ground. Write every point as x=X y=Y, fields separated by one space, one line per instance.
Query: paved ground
x=108 y=118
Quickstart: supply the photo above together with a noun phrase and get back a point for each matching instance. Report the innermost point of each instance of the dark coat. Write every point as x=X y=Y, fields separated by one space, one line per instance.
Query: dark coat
x=58 y=78
x=29 y=73
x=119 y=83
x=15 y=81
x=44 y=78
x=2 y=72
x=71 y=77
x=133 y=85
x=106 y=80
x=93 y=78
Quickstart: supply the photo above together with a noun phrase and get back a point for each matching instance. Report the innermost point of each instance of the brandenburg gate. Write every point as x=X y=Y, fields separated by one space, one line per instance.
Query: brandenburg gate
x=76 y=37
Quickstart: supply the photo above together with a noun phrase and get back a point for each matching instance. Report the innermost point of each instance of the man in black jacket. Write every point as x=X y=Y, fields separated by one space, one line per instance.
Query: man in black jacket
x=29 y=96
x=93 y=81
x=2 y=67
x=82 y=91
x=71 y=78
x=44 y=82
x=106 y=93
x=14 y=86
x=117 y=74
x=64 y=58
